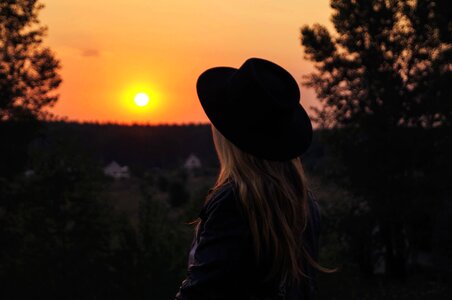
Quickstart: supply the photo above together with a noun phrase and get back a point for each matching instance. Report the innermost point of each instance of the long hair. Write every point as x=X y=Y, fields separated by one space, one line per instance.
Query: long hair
x=273 y=196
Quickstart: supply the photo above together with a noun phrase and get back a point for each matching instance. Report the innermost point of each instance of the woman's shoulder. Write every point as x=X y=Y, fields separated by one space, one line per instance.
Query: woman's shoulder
x=223 y=197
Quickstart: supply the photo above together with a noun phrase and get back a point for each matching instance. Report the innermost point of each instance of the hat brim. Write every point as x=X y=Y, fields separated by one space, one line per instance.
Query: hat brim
x=213 y=94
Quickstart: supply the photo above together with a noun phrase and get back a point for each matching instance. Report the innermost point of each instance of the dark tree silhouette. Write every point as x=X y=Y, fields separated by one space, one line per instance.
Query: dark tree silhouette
x=388 y=64
x=178 y=194
x=28 y=70
x=384 y=79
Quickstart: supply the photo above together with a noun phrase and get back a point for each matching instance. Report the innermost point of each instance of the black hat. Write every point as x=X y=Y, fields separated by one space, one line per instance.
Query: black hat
x=257 y=108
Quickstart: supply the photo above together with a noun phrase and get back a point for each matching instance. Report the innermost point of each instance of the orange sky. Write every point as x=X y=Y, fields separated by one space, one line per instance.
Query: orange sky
x=112 y=49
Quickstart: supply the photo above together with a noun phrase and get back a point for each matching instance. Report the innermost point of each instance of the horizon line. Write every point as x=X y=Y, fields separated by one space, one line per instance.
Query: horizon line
x=123 y=123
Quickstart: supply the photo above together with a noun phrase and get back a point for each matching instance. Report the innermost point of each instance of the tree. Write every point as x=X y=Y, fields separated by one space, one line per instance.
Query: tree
x=388 y=65
x=57 y=228
x=178 y=194
x=383 y=79
x=28 y=79
x=28 y=70
x=162 y=243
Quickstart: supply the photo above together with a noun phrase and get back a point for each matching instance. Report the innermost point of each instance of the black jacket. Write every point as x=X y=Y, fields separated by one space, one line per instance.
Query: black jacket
x=220 y=263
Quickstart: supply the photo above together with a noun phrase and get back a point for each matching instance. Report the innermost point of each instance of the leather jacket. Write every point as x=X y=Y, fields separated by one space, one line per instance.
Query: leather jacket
x=220 y=260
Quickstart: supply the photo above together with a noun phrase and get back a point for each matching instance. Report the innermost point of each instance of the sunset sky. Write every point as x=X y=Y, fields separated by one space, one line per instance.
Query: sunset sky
x=111 y=50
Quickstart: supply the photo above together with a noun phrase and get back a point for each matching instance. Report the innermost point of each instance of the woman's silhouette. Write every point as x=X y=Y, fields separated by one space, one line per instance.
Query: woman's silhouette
x=257 y=234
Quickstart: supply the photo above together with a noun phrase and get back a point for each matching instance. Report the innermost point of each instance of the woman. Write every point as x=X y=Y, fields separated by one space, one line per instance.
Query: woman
x=257 y=234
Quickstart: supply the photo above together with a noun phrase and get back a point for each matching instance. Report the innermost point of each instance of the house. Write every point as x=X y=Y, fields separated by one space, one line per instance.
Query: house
x=29 y=173
x=192 y=162
x=114 y=170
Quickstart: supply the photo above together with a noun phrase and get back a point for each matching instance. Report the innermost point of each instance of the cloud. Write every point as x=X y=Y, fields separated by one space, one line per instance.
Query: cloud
x=90 y=53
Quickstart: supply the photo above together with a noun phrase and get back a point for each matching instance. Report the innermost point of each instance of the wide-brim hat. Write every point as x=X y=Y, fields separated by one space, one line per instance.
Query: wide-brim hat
x=256 y=107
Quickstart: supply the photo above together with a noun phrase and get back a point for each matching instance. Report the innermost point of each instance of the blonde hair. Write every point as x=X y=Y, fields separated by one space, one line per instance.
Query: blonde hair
x=273 y=195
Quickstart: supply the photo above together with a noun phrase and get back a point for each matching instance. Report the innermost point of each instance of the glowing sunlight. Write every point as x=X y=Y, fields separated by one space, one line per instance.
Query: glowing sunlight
x=141 y=99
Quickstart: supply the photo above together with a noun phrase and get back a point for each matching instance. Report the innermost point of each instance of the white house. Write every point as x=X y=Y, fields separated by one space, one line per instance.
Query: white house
x=29 y=173
x=192 y=162
x=114 y=170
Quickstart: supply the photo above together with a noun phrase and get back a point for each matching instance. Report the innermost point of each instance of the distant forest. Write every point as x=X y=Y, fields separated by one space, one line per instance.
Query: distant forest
x=144 y=147
x=127 y=239
x=140 y=147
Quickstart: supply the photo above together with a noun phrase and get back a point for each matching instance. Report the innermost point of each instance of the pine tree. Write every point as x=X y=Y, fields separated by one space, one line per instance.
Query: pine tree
x=28 y=70
x=387 y=65
x=383 y=79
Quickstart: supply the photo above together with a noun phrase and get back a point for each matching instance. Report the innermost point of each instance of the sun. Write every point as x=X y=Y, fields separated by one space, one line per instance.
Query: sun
x=141 y=99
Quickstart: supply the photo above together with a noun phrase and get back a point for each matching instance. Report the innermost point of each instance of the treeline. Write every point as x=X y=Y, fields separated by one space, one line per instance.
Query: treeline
x=138 y=146
x=63 y=238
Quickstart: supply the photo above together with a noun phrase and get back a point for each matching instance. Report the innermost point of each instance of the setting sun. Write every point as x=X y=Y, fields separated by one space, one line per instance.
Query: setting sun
x=141 y=99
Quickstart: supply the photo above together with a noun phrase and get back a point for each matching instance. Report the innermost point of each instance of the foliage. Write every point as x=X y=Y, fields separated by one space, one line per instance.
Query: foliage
x=350 y=239
x=16 y=135
x=388 y=65
x=63 y=238
x=178 y=194
x=55 y=232
x=383 y=79
x=163 y=246
x=140 y=146
x=162 y=183
x=28 y=70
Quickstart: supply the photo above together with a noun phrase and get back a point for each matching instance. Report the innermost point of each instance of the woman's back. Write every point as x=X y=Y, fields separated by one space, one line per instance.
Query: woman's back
x=257 y=234
x=221 y=258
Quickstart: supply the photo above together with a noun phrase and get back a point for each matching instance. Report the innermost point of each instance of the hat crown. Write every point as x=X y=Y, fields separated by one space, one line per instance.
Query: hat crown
x=257 y=107
x=264 y=83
